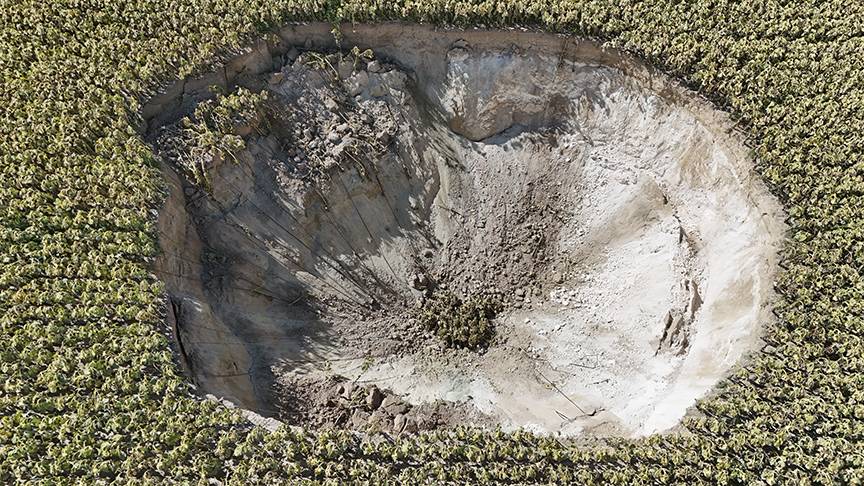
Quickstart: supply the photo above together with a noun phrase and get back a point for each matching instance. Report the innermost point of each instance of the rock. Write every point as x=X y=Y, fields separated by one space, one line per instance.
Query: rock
x=331 y=104
x=342 y=127
x=200 y=88
x=276 y=78
x=299 y=66
x=377 y=90
x=360 y=419
x=520 y=292
x=334 y=137
x=428 y=253
x=346 y=389
x=383 y=138
x=345 y=69
x=695 y=301
x=393 y=405
x=357 y=84
x=374 y=398
x=394 y=79
x=373 y=67
x=399 y=422
x=292 y=54
x=378 y=421
x=410 y=425
x=419 y=281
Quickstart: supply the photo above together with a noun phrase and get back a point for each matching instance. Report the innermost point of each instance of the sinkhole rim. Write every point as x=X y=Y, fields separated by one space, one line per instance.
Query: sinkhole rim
x=474 y=40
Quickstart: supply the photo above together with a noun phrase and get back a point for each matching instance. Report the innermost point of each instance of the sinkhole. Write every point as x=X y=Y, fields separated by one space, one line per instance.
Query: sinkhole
x=597 y=231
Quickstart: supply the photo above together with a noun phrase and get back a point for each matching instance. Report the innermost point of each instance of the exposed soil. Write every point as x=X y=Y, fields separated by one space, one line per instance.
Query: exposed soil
x=611 y=212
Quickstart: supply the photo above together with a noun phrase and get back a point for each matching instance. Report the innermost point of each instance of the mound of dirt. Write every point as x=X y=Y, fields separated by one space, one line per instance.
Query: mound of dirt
x=611 y=214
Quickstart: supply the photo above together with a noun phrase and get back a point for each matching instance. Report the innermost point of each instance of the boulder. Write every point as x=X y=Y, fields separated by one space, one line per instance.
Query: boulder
x=374 y=397
x=394 y=406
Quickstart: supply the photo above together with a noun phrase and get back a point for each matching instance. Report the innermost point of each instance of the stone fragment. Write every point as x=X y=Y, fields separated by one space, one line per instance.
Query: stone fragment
x=360 y=419
x=695 y=300
x=419 y=281
x=410 y=425
x=276 y=78
x=378 y=421
x=377 y=89
x=383 y=138
x=393 y=405
x=346 y=389
x=374 y=398
x=243 y=130
x=399 y=423
x=346 y=67
x=292 y=54
x=394 y=79
x=357 y=83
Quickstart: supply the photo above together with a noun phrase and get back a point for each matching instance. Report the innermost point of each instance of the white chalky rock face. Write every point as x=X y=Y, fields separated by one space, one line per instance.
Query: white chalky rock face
x=615 y=214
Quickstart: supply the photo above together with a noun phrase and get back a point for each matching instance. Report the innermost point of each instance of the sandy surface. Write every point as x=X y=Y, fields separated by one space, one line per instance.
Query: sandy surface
x=612 y=211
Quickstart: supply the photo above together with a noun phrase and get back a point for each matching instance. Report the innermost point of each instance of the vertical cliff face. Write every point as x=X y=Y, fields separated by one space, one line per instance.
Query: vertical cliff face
x=611 y=214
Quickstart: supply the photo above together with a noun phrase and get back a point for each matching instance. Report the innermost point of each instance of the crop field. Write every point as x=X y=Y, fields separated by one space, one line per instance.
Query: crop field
x=96 y=388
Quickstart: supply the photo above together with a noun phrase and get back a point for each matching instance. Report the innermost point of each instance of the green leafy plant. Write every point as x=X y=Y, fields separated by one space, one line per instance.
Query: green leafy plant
x=217 y=127
x=460 y=323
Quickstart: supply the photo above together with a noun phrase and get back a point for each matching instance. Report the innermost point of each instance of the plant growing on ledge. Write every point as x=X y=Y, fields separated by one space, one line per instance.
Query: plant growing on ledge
x=460 y=323
x=217 y=128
